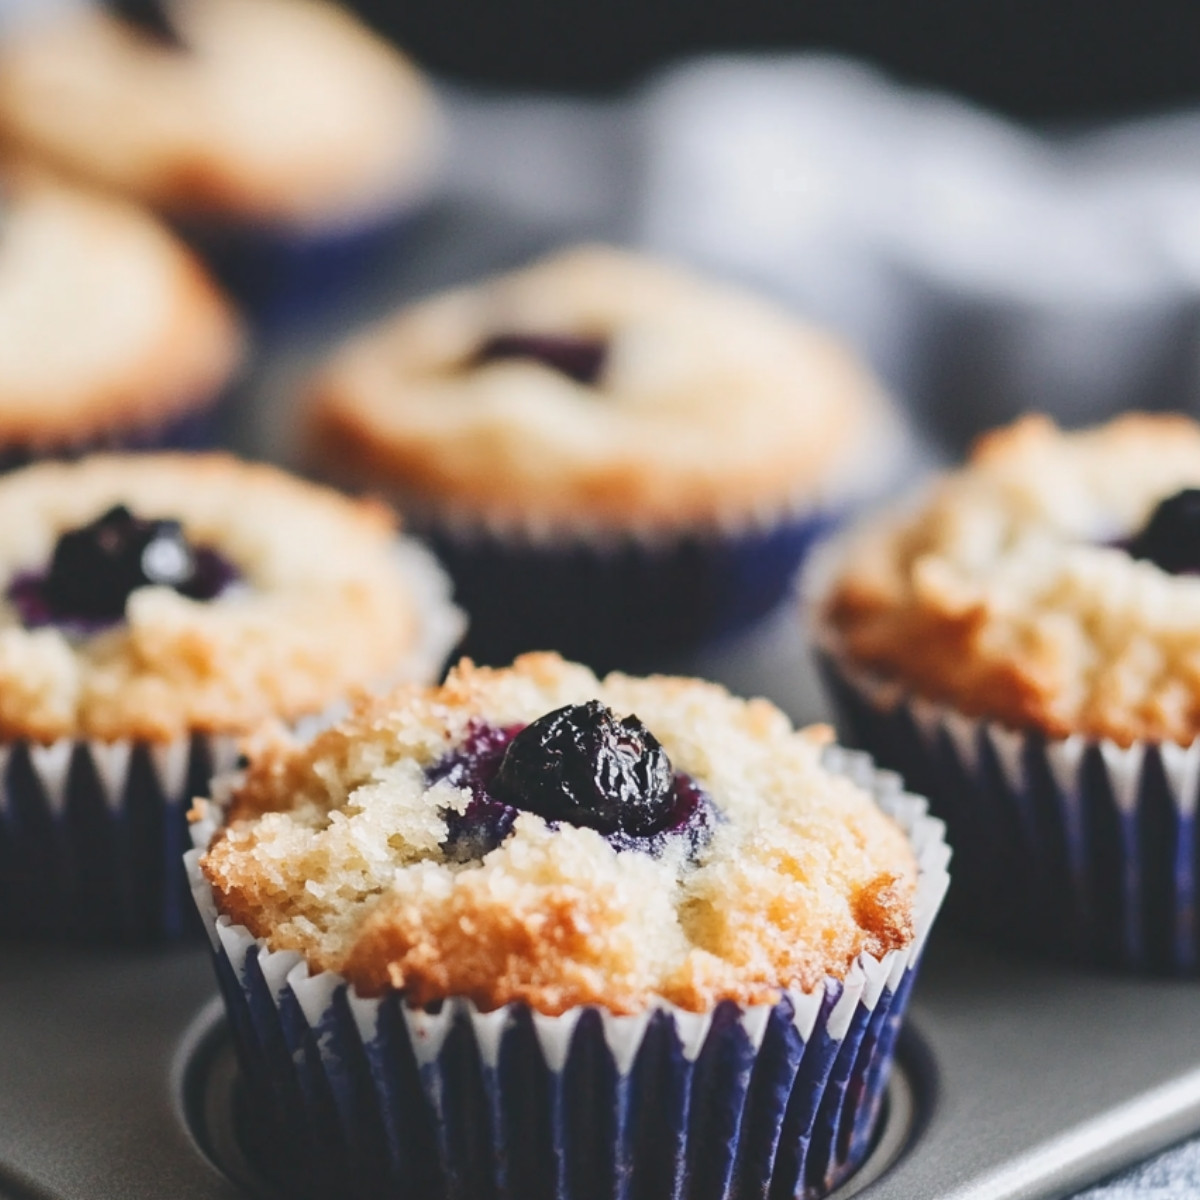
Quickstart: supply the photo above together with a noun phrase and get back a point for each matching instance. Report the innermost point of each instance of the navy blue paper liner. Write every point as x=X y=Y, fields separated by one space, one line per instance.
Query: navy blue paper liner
x=196 y=427
x=92 y=834
x=364 y=1099
x=93 y=854
x=280 y=277
x=633 y=606
x=354 y=1118
x=1072 y=848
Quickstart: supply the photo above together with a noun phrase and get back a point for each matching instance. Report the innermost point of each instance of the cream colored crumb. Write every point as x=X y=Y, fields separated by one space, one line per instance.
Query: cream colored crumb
x=1005 y=591
x=333 y=849
x=323 y=607
x=714 y=409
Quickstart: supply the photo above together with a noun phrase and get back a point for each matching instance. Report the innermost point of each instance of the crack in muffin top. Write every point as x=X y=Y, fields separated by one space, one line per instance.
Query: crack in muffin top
x=341 y=849
x=320 y=605
x=595 y=389
x=1024 y=587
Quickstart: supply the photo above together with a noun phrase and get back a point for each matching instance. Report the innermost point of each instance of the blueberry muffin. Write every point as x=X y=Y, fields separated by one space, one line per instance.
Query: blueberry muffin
x=155 y=608
x=280 y=134
x=110 y=332
x=553 y=891
x=615 y=459
x=1024 y=644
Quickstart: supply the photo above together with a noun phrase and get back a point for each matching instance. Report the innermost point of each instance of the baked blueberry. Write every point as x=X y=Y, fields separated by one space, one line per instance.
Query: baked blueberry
x=803 y=873
x=96 y=567
x=488 y=818
x=579 y=358
x=1171 y=538
x=151 y=18
x=692 y=817
x=582 y=765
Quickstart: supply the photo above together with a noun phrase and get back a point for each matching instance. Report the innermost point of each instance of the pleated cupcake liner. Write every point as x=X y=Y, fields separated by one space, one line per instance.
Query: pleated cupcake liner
x=367 y=1098
x=625 y=604
x=92 y=833
x=1072 y=847
x=280 y=278
x=645 y=599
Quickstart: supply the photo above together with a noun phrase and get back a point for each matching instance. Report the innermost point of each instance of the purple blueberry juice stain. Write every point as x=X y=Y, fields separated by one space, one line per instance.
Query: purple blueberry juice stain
x=693 y=817
x=579 y=358
x=486 y=821
x=580 y=766
x=94 y=569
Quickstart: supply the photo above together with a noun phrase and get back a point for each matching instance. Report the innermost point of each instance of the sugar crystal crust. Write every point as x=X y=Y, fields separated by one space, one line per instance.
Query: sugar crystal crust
x=1007 y=592
x=323 y=606
x=713 y=407
x=334 y=849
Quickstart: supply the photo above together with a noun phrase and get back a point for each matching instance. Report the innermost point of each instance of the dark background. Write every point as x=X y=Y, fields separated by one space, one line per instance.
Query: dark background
x=1039 y=59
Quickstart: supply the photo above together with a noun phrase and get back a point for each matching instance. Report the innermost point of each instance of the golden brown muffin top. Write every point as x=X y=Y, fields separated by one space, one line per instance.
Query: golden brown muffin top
x=342 y=849
x=1009 y=590
x=106 y=322
x=322 y=604
x=709 y=407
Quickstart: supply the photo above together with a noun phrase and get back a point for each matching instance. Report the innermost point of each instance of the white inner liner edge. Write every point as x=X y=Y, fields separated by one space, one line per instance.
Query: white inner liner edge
x=863 y=984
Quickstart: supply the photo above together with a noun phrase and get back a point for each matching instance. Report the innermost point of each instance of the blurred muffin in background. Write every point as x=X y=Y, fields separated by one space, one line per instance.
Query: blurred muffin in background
x=154 y=609
x=1022 y=643
x=111 y=333
x=615 y=459
x=281 y=135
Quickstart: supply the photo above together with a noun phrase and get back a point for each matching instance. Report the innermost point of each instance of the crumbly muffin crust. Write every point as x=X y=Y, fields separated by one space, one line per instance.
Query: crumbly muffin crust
x=713 y=407
x=333 y=849
x=323 y=606
x=284 y=111
x=106 y=323
x=1005 y=592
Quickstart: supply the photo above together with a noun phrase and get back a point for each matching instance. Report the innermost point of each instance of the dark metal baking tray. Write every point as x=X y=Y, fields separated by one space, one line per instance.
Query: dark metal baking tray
x=1016 y=1081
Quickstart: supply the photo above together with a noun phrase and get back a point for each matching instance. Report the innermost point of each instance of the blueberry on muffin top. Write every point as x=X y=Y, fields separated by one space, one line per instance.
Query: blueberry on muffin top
x=1051 y=583
x=149 y=596
x=96 y=568
x=536 y=834
x=596 y=389
x=1171 y=537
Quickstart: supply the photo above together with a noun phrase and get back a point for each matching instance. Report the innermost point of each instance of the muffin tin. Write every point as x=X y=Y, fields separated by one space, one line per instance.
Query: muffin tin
x=1015 y=1081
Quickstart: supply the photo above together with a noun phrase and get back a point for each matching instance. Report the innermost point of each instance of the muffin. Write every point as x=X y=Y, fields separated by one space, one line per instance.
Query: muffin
x=155 y=608
x=110 y=332
x=614 y=458
x=530 y=932
x=281 y=135
x=1023 y=644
